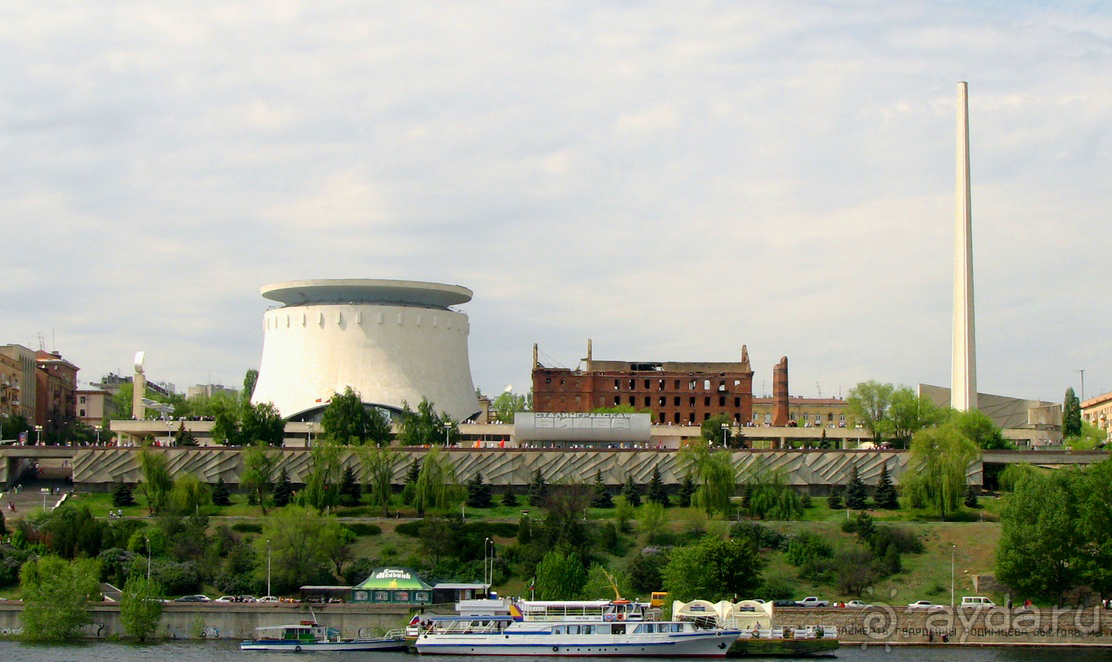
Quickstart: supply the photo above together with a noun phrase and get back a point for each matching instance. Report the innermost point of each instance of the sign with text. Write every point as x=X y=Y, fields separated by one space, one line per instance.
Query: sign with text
x=550 y=426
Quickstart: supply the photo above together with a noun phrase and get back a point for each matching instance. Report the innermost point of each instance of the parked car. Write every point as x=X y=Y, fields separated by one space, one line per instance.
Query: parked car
x=194 y=598
x=784 y=603
x=857 y=604
x=268 y=598
x=924 y=604
x=812 y=601
x=226 y=598
x=247 y=598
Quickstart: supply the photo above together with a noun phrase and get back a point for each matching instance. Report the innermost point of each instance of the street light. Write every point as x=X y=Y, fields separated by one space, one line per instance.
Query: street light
x=148 y=557
x=953 y=550
x=447 y=431
x=38 y=435
x=725 y=431
x=488 y=559
x=309 y=439
x=268 y=568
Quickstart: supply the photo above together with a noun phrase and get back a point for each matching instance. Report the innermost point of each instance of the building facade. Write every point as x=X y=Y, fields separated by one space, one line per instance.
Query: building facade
x=22 y=392
x=677 y=393
x=56 y=393
x=1098 y=412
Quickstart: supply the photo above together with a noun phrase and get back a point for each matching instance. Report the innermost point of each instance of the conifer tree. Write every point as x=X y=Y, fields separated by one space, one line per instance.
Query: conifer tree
x=687 y=490
x=971 y=498
x=856 y=493
x=478 y=493
x=538 y=490
x=657 y=492
x=632 y=492
x=122 y=495
x=283 y=489
x=220 y=494
x=350 y=489
x=602 y=498
x=834 y=501
x=885 y=495
x=509 y=499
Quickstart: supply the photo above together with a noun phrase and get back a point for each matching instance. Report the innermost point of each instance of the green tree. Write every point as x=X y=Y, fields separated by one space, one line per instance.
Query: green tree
x=378 y=474
x=935 y=477
x=1071 y=415
x=631 y=492
x=141 y=606
x=122 y=494
x=351 y=492
x=345 y=420
x=856 y=492
x=717 y=431
x=1039 y=537
x=686 y=491
x=189 y=494
x=1091 y=438
x=184 y=437
x=602 y=498
x=299 y=540
x=322 y=486
x=713 y=570
x=250 y=378
x=538 y=490
x=909 y=412
x=508 y=403
x=258 y=474
x=653 y=520
x=56 y=596
x=979 y=428
x=436 y=484
x=770 y=496
x=479 y=493
x=509 y=499
x=715 y=475
x=425 y=427
x=885 y=494
x=868 y=403
x=602 y=583
x=436 y=537
x=220 y=495
x=1094 y=526
x=226 y=421
x=261 y=423
x=156 y=482
x=560 y=577
x=657 y=492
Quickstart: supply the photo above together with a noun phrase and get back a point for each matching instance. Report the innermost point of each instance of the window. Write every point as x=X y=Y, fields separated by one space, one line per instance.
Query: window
x=646 y=384
x=647 y=400
x=721 y=401
x=677 y=401
x=706 y=401
x=663 y=401
x=691 y=401
x=632 y=401
x=617 y=400
x=691 y=385
x=677 y=384
x=616 y=384
x=706 y=384
x=737 y=402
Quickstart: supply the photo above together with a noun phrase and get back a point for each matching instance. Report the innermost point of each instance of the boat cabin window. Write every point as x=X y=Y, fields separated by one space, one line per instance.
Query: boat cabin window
x=676 y=627
x=617 y=628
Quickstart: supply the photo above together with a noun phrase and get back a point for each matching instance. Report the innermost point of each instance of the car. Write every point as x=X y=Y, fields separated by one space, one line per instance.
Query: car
x=812 y=601
x=924 y=604
x=194 y=598
x=974 y=601
x=857 y=604
x=784 y=603
x=226 y=598
x=247 y=598
x=268 y=598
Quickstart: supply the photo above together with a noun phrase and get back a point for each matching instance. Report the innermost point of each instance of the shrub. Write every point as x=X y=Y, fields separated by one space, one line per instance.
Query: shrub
x=760 y=535
x=364 y=529
x=806 y=547
x=242 y=527
x=411 y=529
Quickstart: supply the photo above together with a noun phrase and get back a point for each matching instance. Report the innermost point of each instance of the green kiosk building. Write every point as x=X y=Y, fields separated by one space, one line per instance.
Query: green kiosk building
x=392 y=586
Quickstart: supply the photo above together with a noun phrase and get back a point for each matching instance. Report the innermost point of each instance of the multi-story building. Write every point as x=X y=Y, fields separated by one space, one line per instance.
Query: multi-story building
x=806 y=412
x=209 y=391
x=56 y=393
x=677 y=393
x=1098 y=411
x=11 y=377
x=94 y=406
x=22 y=390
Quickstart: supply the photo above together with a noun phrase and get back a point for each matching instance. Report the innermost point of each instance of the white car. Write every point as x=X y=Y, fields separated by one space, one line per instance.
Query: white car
x=226 y=598
x=857 y=604
x=924 y=604
x=268 y=598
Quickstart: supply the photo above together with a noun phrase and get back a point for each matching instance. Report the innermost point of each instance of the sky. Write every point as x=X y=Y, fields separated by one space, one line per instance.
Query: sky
x=670 y=179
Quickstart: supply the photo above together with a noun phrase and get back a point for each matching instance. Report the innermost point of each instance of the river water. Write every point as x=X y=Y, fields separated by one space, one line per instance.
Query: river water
x=218 y=651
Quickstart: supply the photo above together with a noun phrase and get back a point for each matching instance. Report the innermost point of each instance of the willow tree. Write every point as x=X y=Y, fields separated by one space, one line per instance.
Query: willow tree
x=56 y=596
x=935 y=477
x=436 y=484
x=322 y=486
x=141 y=606
x=258 y=473
x=155 y=482
x=378 y=474
x=714 y=473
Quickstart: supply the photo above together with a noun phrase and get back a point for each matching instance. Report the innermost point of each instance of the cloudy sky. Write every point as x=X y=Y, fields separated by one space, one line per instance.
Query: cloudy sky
x=671 y=179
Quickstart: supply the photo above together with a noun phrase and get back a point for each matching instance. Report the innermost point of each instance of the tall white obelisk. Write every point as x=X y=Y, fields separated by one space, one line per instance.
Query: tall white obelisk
x=963 y=376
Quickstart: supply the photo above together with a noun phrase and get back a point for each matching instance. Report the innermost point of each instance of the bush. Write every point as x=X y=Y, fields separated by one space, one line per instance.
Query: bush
x=411 y=529
x=241 y=527
x=760 y=535
x=806 y=547
x=776 y=589
x=364 y=529
x=902 y=540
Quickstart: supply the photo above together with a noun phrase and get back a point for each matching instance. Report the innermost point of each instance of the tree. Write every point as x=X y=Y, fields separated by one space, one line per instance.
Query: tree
x=509 y=499
x=122 y=495
x=56 y=595
x=976 y=426
x=261 y=423
x=1039 y=537
x=220 y=496
x=770 y=496
x=1071 y=415
x=560 y=577
x=868 y=403
x=188 y=494
x=156 y=482
x=713 y=570
x=345 y=420
x=657 y=492
x=141 y=607
x=856 y=492
x=350 y=490
x=971 y=498
x=226 y=424
x=250 y=379
x=436 y=537
x=885 y=494
x=653 y=520
x=602 y=498
x=908 y=413
x=436 y=484
x=715 y=473
x=717 y=431
x=337 y=541
x=1094 y=525
x=299 y=541
x=507 y=404
x=425 y=427
x=1092 y=437
x=258 y=474
x=283 y=490
x=538 y=490
x=184 y=437
x=322 y=486
x=834 y=501
x=478 y=493
x=378 y=474
x=935 y=477
x=631 y=492
x=687 y=490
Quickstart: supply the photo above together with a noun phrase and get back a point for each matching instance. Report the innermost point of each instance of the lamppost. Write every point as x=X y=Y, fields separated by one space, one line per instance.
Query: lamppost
x=488 y=561
x=268 y=568
x=309 y=439
x=447 y=432
x=148 y=538
x=725 y=431
x=38 y=435
x=953 y=550
x=169 y=432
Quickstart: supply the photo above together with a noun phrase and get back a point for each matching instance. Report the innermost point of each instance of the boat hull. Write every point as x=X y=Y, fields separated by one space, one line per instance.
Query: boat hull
x=504 y=644
x=307 y=646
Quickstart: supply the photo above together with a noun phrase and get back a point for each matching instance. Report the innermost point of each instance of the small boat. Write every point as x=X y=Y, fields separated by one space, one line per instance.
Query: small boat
x=311 y=636
x=595 y=628
x=758 y=637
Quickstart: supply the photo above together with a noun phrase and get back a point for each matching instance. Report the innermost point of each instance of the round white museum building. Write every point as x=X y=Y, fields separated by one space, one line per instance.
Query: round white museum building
x=394 y=342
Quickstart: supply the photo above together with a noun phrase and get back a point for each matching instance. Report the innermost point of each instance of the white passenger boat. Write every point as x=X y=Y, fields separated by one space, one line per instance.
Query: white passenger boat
x=598 y=628
x=311 y=636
